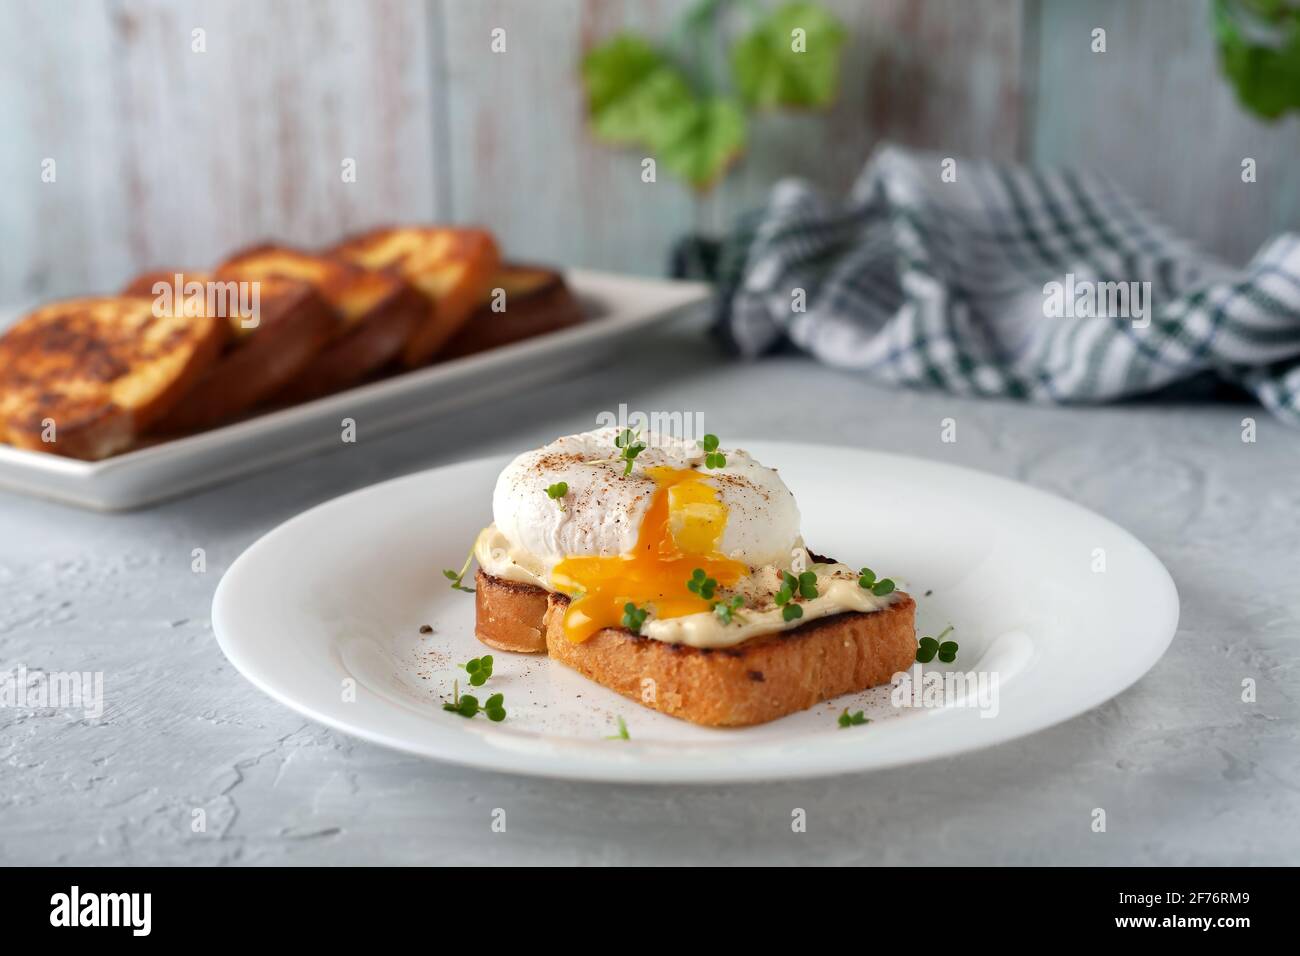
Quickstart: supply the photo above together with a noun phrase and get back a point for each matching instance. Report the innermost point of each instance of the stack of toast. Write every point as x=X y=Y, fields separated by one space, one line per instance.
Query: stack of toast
x=178 y=351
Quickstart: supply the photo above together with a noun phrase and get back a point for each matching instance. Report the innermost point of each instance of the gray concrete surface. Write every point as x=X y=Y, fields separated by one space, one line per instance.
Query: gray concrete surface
x=1187 y=772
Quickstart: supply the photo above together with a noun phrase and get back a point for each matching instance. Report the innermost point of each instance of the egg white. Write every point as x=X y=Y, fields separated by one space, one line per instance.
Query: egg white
x=604 y=509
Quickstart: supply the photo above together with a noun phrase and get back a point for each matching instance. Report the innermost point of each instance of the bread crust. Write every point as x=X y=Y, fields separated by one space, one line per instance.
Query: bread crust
x=753 y=682
x=510 y=616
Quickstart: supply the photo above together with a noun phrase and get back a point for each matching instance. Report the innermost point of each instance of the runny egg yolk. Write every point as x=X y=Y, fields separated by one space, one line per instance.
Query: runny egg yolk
x=681 y=532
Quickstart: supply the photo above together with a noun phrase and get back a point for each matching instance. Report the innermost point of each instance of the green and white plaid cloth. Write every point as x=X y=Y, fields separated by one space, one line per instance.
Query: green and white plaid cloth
x=991 y=285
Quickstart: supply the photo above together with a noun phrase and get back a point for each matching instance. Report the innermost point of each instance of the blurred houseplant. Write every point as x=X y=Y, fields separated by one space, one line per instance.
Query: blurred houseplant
x=1259 y=48
x=670 y=100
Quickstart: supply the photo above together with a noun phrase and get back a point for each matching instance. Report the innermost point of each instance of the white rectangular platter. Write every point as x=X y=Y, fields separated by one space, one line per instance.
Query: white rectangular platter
x=618 y=306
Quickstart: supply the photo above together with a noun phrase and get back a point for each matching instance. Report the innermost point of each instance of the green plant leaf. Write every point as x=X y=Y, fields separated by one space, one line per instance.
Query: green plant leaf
x=633 y=92
x=1266 y=75
x=769 y=68
x=702 y=148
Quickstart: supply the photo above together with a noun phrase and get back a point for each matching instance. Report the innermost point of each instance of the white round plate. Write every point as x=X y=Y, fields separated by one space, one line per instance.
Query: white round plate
x=324 y=614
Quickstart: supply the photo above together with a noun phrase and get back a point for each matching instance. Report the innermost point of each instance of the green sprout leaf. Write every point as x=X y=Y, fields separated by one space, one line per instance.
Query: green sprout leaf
x=930 y=647
x=808 y=585
x=479 y=669
x=557 y=491
x=702 y=584
x=805 y=586
x=855 y=719
x=726 y=610
x=629 y=445
x=457 y=578
x=622 y=731
x=790 y=58
x=467 y=705
x=879 y=587
x=712 y=457
x=633 y=617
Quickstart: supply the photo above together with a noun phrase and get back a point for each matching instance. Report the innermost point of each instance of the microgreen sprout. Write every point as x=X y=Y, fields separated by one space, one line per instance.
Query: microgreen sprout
x=622 y=731
x=557 y=491
x=630 y=445
x=805 y=585
x=726 y=610
x=479 y=669
x=633 y=617
x=853 y=720
x=467 y=705
x=712 y=457
x=458 y=577
x=701 y=584
x=785 y=601
x=495 y=708
x=869 y=582
x=930 y=647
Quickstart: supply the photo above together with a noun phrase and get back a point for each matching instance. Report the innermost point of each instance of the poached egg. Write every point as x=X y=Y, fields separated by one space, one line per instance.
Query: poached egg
x=616 y=538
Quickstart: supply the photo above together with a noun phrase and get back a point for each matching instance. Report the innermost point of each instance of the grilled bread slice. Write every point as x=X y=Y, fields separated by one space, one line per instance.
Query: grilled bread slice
x=378 y=311
x=758 y=680
x=534 y=301
x=102 y=370
x=453 y=268
x=292 y=325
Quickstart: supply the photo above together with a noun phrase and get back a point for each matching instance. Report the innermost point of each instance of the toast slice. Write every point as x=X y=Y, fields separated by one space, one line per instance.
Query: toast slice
x=377 y=313
x=753 y=682
x=452 y=268
x=510 y=616
x=537 y=301
x=102 y=370
x=293 y=324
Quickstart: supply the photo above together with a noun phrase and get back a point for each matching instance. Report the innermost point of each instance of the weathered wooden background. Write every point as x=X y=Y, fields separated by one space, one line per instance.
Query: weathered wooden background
x=167 y=156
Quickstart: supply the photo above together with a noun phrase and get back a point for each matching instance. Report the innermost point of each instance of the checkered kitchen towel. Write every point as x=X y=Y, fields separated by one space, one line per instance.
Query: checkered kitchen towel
x=992 y=285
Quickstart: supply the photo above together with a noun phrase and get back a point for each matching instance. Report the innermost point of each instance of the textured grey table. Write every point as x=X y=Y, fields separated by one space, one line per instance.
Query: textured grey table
x=1186 y=771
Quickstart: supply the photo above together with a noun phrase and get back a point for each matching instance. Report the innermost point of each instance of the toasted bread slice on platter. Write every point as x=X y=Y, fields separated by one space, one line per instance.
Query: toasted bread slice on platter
x=758 y=680
x=265 y=353
x=378 y=311
x=453 y=268
x=533 y=301
x=101 y=371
